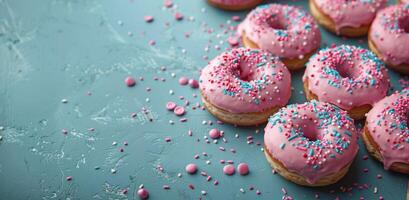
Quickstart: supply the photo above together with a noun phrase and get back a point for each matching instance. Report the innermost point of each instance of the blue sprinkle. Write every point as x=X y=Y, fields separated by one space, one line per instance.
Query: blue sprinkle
x=282 y=145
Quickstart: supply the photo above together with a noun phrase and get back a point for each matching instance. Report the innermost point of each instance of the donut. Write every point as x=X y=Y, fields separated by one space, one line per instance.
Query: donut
x=386 y=132
x=389 y=37
x=311 y=144
x=349 y=77
x=283 y=30
x=346 y=18
x=245 y=86
x=403 y=1
x=234 y=5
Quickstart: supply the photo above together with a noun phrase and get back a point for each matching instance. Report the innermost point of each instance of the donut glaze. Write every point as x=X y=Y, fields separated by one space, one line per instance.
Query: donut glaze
x=346 y=13
x=313 y=139
x=390 y=34
x=387 y=123
x=347 y=76
x=283 y=30
x=246 y=81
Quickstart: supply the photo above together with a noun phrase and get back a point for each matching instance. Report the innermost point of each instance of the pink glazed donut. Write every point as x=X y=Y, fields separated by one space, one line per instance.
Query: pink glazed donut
x=349 y=77
x=403 y=1
x=311 y=144
x=346 y=17
x=285 y=31
x=389 y=37
x=245 y=86
x=386 y=133
x=234 y=5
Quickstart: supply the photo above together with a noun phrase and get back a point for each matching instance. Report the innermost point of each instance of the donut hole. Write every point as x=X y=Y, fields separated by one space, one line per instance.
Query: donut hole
x=404 y=24
x=310 y=131
x=274 y=23
x=347 y=70
x=246 y=75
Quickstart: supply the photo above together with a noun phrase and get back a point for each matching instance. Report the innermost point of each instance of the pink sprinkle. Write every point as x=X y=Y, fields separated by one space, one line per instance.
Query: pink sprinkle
x=193 y=83
x=178 y=16
x=143 y=193
x=189 y=133
x=168 y=3
x=183 y=80
x=197 y=156
x=216 y=182
x=379 y=176
x=166 y=187
x=209 y=178
x=228 y=170
x=133 y=115
x=191 y=168
x=235 y=18
x=152 y=42
x=214 y=133
x=170 y=105
x=64 y=131
x=69 y=178
x=258 y=192
x=130 y=82
x=243 y=169
x=148 y=19
x=168 y=139
x=179 y=110
x=191 y=186
x=233 y=41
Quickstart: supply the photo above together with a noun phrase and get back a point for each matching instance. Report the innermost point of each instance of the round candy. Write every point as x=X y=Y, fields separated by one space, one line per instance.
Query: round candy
x=214 y=133
x=191 y=168
x=170 y=105
x=130 y=81
x=193 y=83
x=228 y=170
x=243 y=169
x=183 y=80
x=179 y=110
x=143 y=193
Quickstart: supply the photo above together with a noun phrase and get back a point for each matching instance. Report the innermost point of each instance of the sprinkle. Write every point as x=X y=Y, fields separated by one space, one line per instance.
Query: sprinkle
x=130 y=81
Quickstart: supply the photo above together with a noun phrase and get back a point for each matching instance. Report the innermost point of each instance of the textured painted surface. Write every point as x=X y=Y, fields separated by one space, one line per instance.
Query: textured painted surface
x=57 y=49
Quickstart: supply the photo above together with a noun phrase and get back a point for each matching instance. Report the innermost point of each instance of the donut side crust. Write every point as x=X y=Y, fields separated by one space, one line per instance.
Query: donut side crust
x=292 y=64
x=329 y=24
x=374 y=150
x=402 y=68
x=356 y=113
x=240 y=119
x=296 y=178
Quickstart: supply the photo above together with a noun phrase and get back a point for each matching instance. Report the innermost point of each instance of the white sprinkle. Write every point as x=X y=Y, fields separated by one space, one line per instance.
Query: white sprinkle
x=242 y=190
x=237 y=135
x=179 y=175
x=171 y=122
x=171 y=92
x=1 y=128
x=375 y=190
x=1 y=138
x=64 y=101
x=113 y=171
x=208 y=162
x=204 y=192
x=114 y=143
x=141 y=186
x=173 y=75
x=147 y=99
x=120 y=23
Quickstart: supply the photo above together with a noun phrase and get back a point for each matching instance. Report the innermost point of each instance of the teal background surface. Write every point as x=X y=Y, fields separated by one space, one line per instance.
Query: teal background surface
x=81 y=51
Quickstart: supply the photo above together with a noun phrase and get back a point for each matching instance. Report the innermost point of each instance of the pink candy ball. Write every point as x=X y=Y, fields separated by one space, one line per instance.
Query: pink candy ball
x=170 y=105
x=183 y=80
x=193 y=83
x=143 y=193
x=191 y=168
x=179 y=110
x=229 y=170
x=130 y=81
x=243 y=169
x=214 y=133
